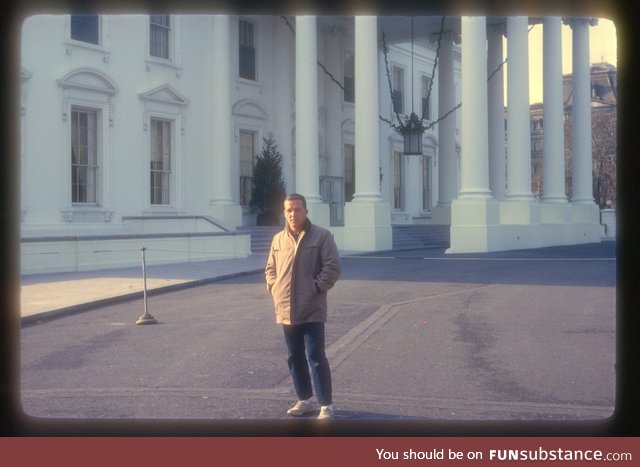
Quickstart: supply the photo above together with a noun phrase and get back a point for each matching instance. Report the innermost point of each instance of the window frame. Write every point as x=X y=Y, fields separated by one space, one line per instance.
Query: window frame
x=164 y=103
x=98 y=32
x=245 y=181
x=90 y=171
x=253 y=48
x=427 y=181
x=86 y=88
x=165 y=173
x=399 y=180
x=167 y=29
x=425 y=80
x=398 y=89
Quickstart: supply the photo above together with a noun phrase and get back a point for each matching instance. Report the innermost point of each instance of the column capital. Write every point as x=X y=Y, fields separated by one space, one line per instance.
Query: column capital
x=575 y=21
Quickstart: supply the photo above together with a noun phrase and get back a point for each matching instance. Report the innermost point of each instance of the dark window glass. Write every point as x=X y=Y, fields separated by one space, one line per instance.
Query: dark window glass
x=85 y=28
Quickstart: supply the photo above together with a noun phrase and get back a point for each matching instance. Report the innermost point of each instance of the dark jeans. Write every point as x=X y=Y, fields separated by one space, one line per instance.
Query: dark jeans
x=309 y=337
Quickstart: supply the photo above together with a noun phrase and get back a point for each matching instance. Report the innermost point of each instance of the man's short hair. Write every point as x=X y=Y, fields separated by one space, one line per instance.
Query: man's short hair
x=295 y=196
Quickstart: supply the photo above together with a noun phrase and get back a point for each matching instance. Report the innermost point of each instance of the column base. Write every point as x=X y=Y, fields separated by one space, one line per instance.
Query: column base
x=520 y=212
x=230 y=215
x=475 y=226
x=586 y=223
x=556 y=223
x=367 y=226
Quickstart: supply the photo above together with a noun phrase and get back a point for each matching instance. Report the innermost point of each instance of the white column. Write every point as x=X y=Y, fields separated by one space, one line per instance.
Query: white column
x=518 y=116
x=555 y=211
x=581 y=114
x=553 y=111
x=520 y=212
x=307 y=163
x=586 y=218
x=447 y=173
x=475 y=215
x=222 y=204
x=283 y=94
x=475 y=143
x=497 y=161
x=367 y=157
x=368 y=217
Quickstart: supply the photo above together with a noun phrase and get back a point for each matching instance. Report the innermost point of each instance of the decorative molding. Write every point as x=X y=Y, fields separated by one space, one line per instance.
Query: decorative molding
x=150 y=62
x=165 y=94
x=249 y=108
x=89 y=79
x=91 y=214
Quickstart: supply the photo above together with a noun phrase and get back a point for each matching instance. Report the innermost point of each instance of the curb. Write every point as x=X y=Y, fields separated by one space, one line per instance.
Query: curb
x=44 y=316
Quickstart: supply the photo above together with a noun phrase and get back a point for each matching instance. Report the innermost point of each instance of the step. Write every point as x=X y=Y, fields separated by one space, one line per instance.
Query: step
x=414 y=236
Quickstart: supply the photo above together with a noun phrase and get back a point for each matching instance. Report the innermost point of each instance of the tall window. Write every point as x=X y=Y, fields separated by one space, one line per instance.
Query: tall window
x=349 y=172
x=247 y=52
x=397 y=95
x=159 y=35
x=247 y=153
x=426 y=104
x=398 y=181
x=84 y=156
x=160 y=166
x=85 y=28
x=349 y=80
x=426 y=183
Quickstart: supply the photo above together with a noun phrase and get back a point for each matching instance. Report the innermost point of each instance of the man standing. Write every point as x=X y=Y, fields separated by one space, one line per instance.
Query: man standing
x=303 y=265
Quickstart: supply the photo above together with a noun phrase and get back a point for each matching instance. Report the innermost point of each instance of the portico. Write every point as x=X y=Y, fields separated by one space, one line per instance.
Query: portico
x=483 y=155
x=174 y=122
x=489 y=203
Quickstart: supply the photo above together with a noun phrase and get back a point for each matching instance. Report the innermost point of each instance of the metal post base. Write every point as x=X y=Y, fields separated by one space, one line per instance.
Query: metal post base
x=146 y=319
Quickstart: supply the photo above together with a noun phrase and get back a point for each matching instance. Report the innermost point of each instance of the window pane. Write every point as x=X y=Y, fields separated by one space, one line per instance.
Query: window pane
x=85 y=28
x=426 y=108
x=426 y=183
x=160 y=162
x=84 y=156
x=247 y=51
x=398 y=181
x=247 y=154
x=159 y=31
x=398 y=90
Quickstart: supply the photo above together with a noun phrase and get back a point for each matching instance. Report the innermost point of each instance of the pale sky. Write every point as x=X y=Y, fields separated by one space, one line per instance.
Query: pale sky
x=602 y=47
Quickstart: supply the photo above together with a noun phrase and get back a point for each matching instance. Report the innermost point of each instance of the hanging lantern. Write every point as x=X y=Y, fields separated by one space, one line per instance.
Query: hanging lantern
x=413 y=143
x=412 y=132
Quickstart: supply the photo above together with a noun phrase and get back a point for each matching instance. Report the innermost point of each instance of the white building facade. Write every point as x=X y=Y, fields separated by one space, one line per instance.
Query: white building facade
x=141 y=130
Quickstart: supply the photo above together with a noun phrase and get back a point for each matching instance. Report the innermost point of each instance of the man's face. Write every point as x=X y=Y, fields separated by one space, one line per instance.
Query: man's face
x=295 y=214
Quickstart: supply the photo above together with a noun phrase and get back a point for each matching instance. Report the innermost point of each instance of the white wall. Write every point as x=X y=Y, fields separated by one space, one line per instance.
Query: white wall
x=264 y=106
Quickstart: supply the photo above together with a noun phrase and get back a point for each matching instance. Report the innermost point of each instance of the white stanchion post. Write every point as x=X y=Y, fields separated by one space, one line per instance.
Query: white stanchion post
x=146 y=318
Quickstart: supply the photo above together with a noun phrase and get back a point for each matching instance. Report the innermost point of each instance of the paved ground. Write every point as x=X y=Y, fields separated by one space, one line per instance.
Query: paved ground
x=414 y=336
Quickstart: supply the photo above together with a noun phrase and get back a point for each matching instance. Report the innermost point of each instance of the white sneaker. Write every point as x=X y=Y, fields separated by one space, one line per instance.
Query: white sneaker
x=326 y=411
x=301 y=408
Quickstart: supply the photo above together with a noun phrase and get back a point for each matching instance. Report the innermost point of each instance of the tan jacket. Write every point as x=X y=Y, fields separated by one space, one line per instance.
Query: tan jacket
x=300 y=274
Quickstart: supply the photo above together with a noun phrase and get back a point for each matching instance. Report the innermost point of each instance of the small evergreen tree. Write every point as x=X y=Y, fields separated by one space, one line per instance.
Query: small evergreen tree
x=268 y=190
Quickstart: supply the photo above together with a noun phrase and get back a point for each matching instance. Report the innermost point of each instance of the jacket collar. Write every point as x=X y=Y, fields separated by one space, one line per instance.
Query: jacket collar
x=305 y=227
